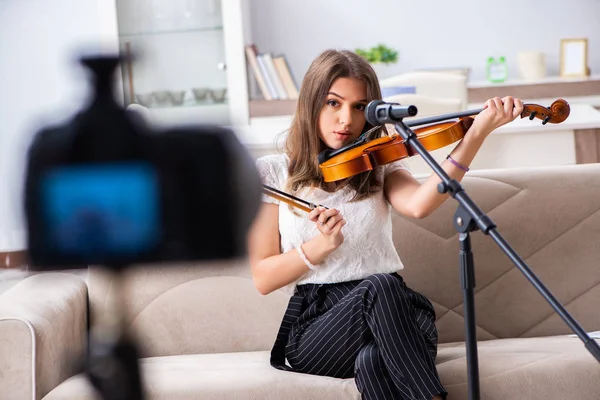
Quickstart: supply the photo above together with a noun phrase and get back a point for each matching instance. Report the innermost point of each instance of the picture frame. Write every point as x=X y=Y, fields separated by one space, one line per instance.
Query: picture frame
x=574 y=57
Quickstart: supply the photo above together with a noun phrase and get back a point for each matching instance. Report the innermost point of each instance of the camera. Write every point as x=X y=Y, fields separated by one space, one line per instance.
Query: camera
x=106 y=188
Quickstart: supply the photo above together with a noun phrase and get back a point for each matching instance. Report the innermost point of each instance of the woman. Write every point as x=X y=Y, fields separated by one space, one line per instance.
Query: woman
x=351 y=314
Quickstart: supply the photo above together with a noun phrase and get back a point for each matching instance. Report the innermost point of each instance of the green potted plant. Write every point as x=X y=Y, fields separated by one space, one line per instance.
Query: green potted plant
x=379 y=56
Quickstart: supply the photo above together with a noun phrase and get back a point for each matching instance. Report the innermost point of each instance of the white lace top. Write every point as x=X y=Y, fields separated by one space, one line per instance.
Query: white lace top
x=367 y=248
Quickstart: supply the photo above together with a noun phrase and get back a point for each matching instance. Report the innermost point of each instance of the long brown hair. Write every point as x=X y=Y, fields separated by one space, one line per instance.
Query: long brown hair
x=303 y=142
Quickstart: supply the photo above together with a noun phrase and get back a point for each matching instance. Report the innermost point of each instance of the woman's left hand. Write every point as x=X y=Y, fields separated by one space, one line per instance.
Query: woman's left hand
x=496 y=113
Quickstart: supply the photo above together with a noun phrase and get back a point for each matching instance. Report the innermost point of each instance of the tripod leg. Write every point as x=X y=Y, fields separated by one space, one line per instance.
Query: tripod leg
x=113 y=358
x=467 y=280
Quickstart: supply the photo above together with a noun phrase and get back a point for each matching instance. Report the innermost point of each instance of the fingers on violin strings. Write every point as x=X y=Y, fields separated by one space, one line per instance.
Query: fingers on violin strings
x=518 y=107
x=490 y=105
x=498 y=103
x=509 y=104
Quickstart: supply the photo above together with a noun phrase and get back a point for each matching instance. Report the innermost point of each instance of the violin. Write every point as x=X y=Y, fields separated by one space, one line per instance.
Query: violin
x=364 y=155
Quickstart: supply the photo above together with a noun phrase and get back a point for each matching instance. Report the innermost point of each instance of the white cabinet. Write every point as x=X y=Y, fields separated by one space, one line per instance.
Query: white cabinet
x=189 y=65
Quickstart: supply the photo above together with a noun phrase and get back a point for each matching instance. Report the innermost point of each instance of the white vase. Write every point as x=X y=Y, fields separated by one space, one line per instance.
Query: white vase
x=532 y=65
x=382 y=70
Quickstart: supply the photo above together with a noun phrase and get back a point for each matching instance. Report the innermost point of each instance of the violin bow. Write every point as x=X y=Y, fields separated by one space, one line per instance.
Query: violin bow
x=289 y=199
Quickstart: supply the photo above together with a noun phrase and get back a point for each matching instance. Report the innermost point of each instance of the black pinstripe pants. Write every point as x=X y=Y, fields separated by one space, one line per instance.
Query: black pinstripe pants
x=376 y=330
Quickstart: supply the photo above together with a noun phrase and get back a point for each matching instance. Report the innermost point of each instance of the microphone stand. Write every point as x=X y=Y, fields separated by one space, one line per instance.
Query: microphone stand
x=468 y=218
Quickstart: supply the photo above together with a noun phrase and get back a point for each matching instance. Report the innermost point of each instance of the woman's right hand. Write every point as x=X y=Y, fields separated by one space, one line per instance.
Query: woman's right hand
x=329 y=222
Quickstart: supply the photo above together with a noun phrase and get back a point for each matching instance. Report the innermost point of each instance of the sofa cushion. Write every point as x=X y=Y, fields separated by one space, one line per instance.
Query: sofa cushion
x=553 y=367
x=246 y=375
x=181 y=309
x=533 y=368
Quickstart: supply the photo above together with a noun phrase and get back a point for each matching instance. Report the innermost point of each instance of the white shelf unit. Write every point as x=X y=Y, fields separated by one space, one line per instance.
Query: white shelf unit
x=181 y=46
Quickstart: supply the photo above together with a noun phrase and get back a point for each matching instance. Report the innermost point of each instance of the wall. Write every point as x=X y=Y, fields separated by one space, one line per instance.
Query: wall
x=41 y=83
x=426 y=33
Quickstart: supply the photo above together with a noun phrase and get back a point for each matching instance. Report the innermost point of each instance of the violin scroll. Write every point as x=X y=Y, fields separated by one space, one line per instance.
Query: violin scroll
x=558 y=111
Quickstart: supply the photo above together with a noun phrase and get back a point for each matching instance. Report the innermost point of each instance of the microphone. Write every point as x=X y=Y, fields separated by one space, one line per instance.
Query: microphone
x=378 y=112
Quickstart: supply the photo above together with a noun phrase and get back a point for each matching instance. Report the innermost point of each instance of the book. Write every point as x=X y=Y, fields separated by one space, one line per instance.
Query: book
x=272 y=73
x=282 y=67
x=252 y=58
x=274 y=76
x=267 y=77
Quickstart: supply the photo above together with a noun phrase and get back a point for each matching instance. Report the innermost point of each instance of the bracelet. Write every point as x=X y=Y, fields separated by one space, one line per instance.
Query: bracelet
x=303 y=257
x=457 y=164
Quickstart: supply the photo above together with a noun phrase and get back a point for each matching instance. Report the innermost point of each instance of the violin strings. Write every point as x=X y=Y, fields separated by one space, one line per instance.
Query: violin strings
x=373 y=129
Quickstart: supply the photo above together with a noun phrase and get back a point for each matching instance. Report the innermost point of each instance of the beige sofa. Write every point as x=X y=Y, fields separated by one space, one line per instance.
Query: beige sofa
x=205 y=333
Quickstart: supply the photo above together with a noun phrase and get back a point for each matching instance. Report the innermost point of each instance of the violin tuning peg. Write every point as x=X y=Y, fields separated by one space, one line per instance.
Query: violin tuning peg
x=545 y=121
x=532 y=115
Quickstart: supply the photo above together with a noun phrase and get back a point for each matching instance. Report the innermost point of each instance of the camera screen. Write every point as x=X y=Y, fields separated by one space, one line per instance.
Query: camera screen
x=101 y=211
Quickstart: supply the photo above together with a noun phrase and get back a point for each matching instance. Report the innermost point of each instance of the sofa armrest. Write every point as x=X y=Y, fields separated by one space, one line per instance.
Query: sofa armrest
x=43 y=333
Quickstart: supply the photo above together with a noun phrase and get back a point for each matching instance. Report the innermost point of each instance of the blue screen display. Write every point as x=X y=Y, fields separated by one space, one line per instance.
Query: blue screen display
x=103 y=210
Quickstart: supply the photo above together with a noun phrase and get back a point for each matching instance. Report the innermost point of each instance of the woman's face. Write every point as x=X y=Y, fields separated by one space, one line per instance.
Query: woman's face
x=342 y=117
